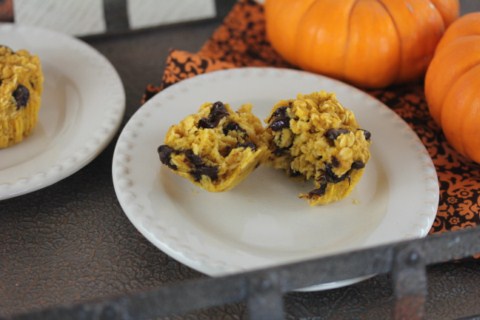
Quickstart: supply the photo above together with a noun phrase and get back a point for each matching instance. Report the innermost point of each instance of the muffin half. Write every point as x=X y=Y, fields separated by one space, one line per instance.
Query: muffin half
x=216 y=148
x=316 y=138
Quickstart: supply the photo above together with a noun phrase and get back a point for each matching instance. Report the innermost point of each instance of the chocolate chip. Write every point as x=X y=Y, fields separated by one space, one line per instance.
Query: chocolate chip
x=21 y=96
x=205 y=123
x=280 y=151
x=367 y=134
x=225 y=151
x=165 y=153
x=232 y=126
x=280 y=124
x=195 y=160
x=209 y=171
x=280 y=119
x=358 y=165
x=217 y=112
x=248 y=144
x=335 y=162
x=199 y=168
x=280 y=113
x=294 y=173
x=333 y=134
x=320 y=191
x=332 y=177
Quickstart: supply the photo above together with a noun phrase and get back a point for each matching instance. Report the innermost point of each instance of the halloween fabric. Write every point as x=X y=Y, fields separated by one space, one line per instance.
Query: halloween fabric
x=6 y=11
x=241 y=41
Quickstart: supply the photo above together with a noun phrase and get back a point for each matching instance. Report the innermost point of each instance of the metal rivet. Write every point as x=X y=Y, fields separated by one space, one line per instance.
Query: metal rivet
x=413 y=258
x=265 y=284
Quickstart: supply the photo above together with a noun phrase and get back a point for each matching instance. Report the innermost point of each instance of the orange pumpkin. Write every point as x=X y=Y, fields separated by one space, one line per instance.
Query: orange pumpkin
x=370 y=43
x=452 y=85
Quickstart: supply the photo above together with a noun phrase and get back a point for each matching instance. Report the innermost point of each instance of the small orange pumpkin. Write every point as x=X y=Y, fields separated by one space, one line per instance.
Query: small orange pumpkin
x=452 y=85
x=370 y=43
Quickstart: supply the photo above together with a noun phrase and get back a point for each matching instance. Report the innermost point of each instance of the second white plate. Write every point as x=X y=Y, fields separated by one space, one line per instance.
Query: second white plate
x=261 y=222
x=82 y=107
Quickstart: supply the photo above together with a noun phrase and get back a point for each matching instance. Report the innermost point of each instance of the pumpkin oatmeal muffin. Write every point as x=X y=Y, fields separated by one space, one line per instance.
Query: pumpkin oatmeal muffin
x=216 y=148
x=21 y=83
x=316 y=138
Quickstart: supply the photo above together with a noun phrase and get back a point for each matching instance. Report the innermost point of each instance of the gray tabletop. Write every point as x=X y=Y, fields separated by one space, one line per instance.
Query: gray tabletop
x=71 y=242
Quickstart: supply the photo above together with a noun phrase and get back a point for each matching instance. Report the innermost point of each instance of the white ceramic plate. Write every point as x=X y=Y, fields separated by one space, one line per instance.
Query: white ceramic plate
x=82 y=106
x=261 y=222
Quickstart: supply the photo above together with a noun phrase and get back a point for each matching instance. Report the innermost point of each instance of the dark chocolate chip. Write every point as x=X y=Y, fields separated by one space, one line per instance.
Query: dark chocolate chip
x=280 y=151
x=332 y=177
x=333 y=134
x=280 y=113
x=199 y=168
x=205 y=123
x=195 y=160
x=21 y=96
x=165 y=153
x=280 y=119
x=335 y=162
x=294 y=173
x=320 y=191
x=358 y=164
x=209 y=171
x=232 y=126
x=217 y=112
x=367 y=134
x=225 y=152
x=248 y=144
x=280 y=124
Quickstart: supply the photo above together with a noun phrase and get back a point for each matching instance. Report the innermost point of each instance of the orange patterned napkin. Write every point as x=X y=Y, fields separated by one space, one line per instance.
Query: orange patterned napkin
x=241 y=41
x=6 y=11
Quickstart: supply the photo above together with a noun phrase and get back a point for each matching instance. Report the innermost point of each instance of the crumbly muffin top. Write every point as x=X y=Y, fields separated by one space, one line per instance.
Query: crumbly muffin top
x=314 y=136
x=215 y=145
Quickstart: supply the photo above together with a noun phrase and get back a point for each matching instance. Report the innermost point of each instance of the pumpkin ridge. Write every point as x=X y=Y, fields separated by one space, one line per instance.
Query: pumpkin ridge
x=437 y=113
x=471 y=115
x=472 y=153
x=347 y=43
x=297 y=36
x=440 y=12
x=447 y=16
x=318 y=49
x=457 y=139
x=400 y=56
x=459 y=29
x=452 y=84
